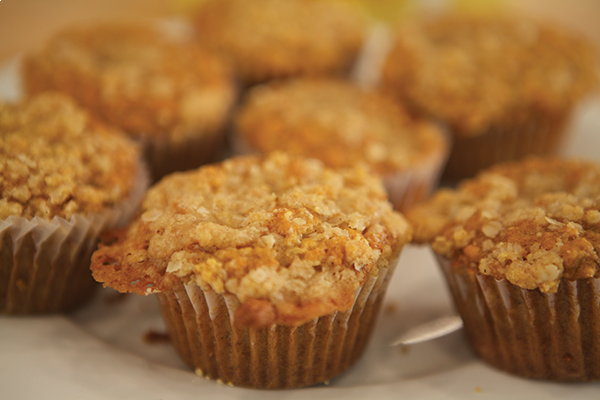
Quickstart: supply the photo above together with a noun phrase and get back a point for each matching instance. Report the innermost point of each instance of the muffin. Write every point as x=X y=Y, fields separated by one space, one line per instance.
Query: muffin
x=269 y=270
x=519 y=246
x=343 y=125
x=505 y=87
x=64 y=179
x=269 y=39
x=159 y=87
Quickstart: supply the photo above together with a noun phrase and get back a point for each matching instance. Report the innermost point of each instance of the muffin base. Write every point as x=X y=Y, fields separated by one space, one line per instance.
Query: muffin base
x=203 y=330
x=528 y=333
x=165 y=156
x=540 y=134
x=44 y=265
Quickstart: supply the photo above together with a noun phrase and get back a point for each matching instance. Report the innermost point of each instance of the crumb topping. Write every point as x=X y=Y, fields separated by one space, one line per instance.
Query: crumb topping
x=475 y=71
x=533 y=223
x=278 y=230
x=338 y=123
x=137 y=77
x=268 y=39
x=56 y=161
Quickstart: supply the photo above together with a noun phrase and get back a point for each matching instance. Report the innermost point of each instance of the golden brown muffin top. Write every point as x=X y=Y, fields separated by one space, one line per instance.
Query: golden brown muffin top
x=290 y=238
x=533 y=222
x=56 y=161
x=474 y=71
x=338 y=123
x=138 y=77
x=268 y=39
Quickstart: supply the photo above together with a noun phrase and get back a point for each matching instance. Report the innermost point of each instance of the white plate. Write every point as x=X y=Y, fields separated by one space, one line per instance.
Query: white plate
x=98 y=353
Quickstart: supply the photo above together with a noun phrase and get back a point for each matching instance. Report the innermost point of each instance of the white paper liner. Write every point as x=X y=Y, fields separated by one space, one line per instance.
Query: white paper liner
x=202 y=326
x=552 y=336
x=407 y=188
x=45 y=264
x=539 y=134
x=368 y=66
x=165 y=156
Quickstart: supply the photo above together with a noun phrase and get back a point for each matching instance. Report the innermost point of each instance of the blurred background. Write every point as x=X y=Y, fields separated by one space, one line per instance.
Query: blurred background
x=25 y=24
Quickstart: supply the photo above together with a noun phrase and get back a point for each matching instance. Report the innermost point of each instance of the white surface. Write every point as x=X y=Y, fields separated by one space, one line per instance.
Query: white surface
x=98 y=352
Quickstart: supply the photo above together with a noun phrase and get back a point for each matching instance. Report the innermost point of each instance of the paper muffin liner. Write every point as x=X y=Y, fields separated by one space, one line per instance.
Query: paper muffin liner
x=367 y=69
x=203 y=329
x=44 y=265
x=165 y=156
x=553 y=336
x=539 y=134
x=409 y=187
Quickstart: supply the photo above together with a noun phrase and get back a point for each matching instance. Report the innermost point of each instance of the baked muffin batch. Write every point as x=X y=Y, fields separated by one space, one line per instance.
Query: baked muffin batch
x=271 y=265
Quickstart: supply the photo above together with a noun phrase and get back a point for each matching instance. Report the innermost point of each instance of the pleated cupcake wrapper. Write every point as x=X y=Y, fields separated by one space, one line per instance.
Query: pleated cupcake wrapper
x=405 y=188
x=540 y=134
x=366 y=71
x=165 y=156
x=553 y=336
x=204 y=331
x=239 y=144
x=44 y=265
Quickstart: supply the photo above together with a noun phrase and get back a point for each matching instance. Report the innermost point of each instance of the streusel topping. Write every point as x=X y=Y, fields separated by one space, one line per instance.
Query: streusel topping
x=277 y=230
x=138 y=77
x=268 y=39
x=56 y=161
x=474 y=71
x=533 y=223
x=338 y=123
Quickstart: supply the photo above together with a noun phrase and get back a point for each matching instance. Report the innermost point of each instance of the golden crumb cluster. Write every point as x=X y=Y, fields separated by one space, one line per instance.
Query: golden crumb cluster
x=338 y=123
x=533 y=222
x=268 y=39
x=278 y=232
x=475 y=71
x=56 y=161
x=147 y=81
